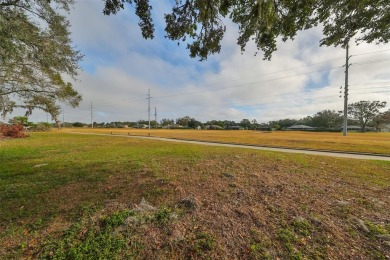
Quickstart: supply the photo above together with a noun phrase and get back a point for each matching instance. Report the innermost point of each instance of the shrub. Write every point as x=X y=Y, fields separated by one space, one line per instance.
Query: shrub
x=40 y=127
x=13 y=131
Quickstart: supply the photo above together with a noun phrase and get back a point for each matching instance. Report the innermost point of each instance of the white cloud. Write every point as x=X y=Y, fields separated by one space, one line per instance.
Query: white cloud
x=120 y=66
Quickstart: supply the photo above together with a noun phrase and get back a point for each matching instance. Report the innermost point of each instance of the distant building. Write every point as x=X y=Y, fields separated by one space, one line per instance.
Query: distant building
x=352 y=128
x=235 y=127
x=300 y=128
x=263 y=128
x=385 y=127
x=140 y=126
x=174 y=126
x=212 y=127
x=358 y=128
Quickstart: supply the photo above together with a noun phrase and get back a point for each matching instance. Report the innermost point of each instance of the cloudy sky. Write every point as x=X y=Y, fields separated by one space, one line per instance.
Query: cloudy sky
x=120 y=66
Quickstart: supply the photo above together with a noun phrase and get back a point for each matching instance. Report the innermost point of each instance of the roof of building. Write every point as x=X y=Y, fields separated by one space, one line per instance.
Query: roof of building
x=300 y=127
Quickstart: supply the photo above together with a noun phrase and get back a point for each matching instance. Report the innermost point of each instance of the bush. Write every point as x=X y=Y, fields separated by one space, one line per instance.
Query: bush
x=78 y=124
x=40 y=127
x=13 y=131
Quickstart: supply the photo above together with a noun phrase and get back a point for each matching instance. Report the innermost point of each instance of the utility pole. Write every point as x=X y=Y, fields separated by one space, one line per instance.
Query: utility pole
x=345 y=125
x=148 y=98
x=91 y=115
x=155 y=115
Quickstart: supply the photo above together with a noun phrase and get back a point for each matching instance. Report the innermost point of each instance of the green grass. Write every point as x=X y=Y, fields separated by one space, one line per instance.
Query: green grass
x=370 y=142
x=77 y=196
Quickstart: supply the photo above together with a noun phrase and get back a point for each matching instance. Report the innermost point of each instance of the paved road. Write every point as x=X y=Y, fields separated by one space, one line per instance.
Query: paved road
x=285 y=150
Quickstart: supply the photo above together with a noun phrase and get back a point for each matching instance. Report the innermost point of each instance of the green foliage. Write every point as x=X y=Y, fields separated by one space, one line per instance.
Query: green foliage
x=36 y=51
x=380 y=119
x=37 y=225
x=378 y=229
x=302 y=226
x=78 y=172
x=77 y=124
x=246 y=123
x=327 y=119
x=40 y=127
x=162 y=216
x=203 y=242
x=105 y=239
x=286 y=235
x=89 y=240
x=289 y=238
x=283 y=123
x=200 y=23
x=117 y=219
x=166 y=121
x=19 y=120
x=188 y=121
x=91 y=244
x=259 y=251
x=377 y=255
x=365 y=111
x=216 y=123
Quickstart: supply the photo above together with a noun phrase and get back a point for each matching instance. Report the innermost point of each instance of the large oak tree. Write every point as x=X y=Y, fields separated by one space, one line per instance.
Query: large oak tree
x=365 y=111
x=200 y=23
x=35 y=55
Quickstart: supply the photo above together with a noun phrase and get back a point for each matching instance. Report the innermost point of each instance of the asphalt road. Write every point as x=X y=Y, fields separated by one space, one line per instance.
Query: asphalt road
x=285 y=150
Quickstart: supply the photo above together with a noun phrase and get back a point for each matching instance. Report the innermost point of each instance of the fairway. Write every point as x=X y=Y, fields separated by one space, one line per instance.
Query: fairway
x=355 y=142
x=71 y=196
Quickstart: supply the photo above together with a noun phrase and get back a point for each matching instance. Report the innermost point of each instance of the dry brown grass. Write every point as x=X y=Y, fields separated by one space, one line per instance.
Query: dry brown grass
x=248 y=204
x=354 y=142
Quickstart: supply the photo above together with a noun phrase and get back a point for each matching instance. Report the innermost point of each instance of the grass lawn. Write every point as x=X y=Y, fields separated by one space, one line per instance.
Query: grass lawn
x=354 y=142
x=89 y=197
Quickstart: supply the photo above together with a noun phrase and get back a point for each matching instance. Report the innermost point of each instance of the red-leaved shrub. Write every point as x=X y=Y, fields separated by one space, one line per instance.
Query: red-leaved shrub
x=12 y=131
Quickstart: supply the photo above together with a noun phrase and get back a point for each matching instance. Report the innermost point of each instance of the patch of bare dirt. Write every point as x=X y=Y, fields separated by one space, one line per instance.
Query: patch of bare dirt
x=269 y=196
x=245 y=206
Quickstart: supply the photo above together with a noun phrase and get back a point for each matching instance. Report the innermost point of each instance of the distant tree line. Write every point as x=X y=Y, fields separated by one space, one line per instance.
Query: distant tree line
x=363 y=114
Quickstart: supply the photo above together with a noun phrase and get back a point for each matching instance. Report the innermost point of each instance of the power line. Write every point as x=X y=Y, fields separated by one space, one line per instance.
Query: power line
x=370 y=62
x=304 y=95
x=366 y=53
x=314 y=91
x=262 y=81
x=314 y=94
x=308 y=94
x=257 y=75
x=265 y=74
x=121 y=100
x=289 y=69
x=290 y=97
x=244 y=84
x=268 y=102
x=371 y=83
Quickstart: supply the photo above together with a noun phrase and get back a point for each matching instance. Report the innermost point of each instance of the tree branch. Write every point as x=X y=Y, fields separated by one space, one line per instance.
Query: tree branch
x=9 y=3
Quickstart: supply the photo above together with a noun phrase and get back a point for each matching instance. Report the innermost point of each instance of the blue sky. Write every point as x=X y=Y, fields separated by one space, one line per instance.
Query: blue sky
x=120 y=66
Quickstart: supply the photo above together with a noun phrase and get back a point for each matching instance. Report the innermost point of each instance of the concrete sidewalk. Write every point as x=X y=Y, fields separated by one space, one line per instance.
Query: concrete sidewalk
x=285 y=150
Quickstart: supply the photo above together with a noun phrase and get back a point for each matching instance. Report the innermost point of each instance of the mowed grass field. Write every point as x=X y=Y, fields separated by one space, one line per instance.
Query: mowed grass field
x=67 y=196
x=354 y=142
